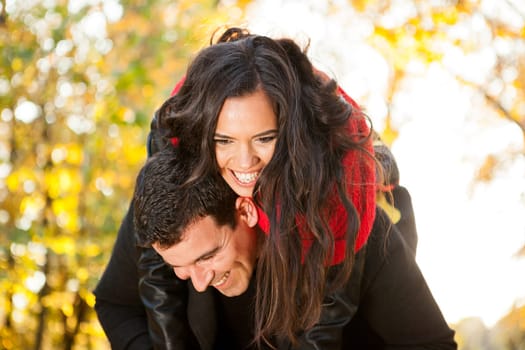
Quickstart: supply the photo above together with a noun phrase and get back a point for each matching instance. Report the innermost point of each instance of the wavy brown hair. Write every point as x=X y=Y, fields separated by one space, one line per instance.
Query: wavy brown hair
x=305 y=178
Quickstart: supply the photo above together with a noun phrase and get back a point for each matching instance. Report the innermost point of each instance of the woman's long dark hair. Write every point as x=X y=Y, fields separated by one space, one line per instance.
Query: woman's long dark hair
x=302 y=183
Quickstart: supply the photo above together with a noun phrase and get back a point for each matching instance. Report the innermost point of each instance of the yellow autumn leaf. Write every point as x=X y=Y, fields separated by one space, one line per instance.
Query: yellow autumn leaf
x=29 y=74
x=99 y=111
x=82 y=274
x=17 y=64
x=388 y=34
x=66 y=204
x=244 y=3
x=67 y=309
x=90 y=299
x=12 y=182
x=389 y=134
x=70 y=222
x=517 y=111
x=18 y=177
x=486 y=171
x=134 y=149
x=518 y=84
x=32 y=205
x=62 y=245
x=135 y=154
x=359 y=5
x=393 y=213
x=449 y=16
x=147 y=90
x=62 y=181
x=126 y=114
x=91 y=250
x=75 y=154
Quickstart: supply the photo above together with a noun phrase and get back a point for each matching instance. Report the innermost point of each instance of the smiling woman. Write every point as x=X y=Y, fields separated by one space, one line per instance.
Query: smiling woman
x=245 y=140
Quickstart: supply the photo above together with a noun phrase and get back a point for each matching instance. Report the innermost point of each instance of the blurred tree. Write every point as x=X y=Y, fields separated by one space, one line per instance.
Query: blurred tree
x=418 y=31
x=472 y=334
x=441 y=32
x=510 y=330
x=79 y=81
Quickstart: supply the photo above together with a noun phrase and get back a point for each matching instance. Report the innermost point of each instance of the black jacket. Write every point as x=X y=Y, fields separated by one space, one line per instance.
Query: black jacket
x=387 y=303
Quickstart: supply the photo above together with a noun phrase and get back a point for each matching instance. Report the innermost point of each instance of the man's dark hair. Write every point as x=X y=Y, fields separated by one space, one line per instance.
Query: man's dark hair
x=164 y=204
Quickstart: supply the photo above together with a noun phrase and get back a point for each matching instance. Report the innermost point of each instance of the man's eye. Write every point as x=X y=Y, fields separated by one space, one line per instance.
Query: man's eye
x=206 y=258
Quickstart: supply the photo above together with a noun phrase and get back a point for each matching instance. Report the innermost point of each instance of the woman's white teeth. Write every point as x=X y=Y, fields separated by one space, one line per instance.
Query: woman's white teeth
x=246 y=177
x=222 y=280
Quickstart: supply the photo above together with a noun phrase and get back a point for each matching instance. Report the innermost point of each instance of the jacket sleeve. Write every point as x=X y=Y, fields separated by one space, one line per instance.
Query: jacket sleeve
x=117 y=304
x=163 y=295
x=165 y=299
x=397 y=306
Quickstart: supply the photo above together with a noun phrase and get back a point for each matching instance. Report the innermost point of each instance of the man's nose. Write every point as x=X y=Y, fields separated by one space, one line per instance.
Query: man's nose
x=182 y=272
x=200 y=278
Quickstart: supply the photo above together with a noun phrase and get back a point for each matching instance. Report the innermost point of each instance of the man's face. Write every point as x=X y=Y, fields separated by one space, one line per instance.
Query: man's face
x=217 y=256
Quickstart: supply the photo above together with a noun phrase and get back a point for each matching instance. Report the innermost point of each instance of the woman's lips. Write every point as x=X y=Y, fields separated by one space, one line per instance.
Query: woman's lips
x=246 y=178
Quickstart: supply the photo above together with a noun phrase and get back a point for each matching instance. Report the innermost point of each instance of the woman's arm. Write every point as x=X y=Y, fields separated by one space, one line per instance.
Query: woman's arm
x=165 y=298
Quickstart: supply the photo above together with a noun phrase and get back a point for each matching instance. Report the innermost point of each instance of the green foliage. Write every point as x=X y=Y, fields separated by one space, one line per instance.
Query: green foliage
x=78 y=86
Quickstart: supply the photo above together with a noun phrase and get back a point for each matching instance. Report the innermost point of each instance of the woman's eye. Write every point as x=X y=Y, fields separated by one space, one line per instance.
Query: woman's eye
x=267 y=139
x=222 y=141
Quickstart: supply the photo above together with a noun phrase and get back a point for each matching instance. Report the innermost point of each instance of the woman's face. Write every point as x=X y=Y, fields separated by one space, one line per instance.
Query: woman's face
x=245 y=140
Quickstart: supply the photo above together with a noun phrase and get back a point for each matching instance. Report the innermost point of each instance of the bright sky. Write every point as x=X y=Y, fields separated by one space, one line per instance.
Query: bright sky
x=468 y=234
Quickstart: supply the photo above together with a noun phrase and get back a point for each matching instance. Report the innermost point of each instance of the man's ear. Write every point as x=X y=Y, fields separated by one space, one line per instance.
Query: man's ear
x=246 y=209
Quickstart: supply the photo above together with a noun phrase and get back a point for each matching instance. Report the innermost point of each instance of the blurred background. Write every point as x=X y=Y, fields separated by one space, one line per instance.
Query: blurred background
x=443 y=82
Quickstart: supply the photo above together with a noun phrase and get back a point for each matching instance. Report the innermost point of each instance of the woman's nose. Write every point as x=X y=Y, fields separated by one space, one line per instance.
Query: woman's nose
x=247 y=157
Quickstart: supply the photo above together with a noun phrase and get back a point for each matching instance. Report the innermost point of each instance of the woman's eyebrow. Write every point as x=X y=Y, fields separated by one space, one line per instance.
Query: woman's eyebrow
x=222 y=136
x=264 y=133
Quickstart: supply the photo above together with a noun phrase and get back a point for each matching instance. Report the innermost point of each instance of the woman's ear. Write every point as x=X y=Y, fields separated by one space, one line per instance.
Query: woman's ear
x=246 y=209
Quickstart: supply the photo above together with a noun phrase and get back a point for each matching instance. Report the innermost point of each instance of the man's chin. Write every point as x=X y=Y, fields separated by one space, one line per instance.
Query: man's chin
x=233 y=292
